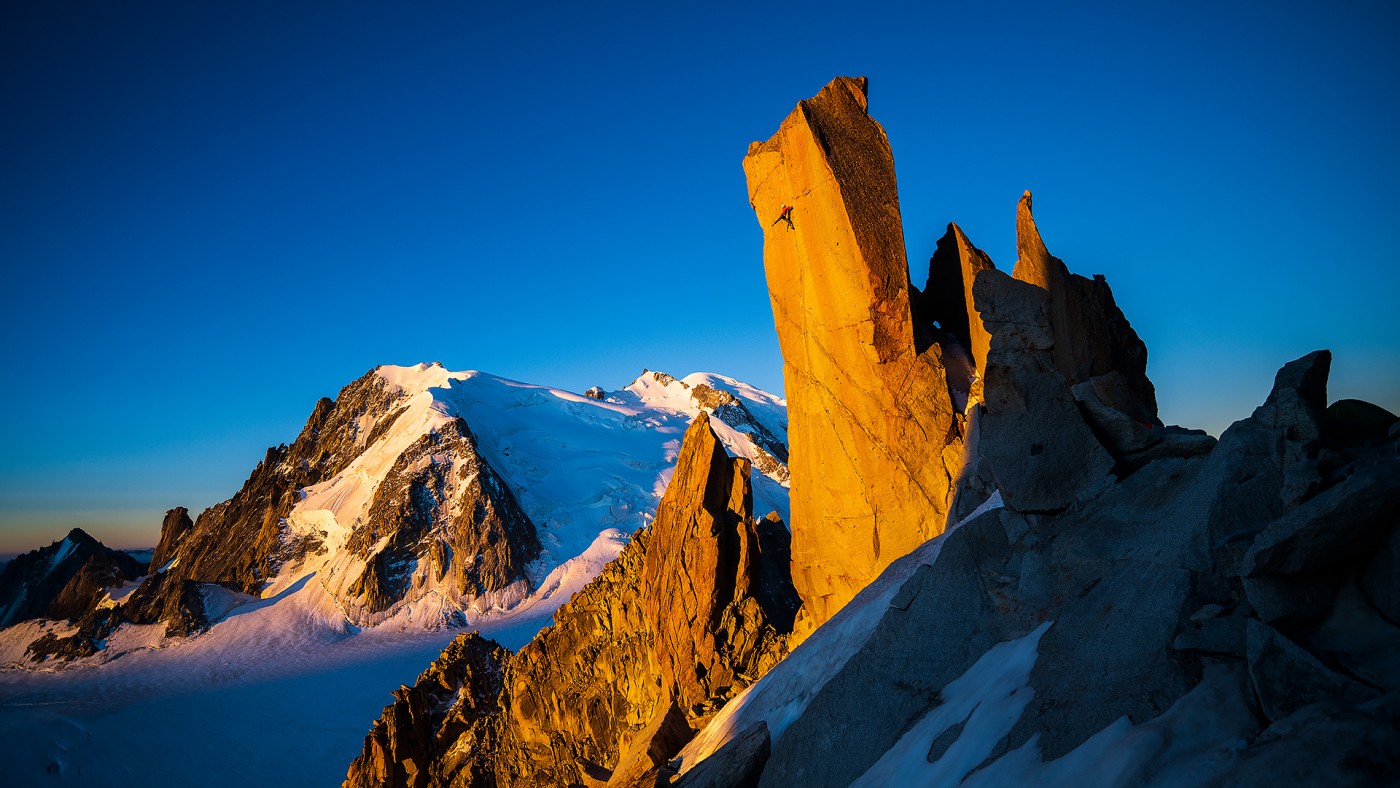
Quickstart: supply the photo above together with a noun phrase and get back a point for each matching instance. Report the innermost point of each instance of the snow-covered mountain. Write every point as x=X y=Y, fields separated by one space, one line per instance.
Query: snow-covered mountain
x=419 y=500
x=434 y=497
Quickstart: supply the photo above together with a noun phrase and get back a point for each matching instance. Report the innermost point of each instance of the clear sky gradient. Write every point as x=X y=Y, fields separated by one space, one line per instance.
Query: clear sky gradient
x=212 y=214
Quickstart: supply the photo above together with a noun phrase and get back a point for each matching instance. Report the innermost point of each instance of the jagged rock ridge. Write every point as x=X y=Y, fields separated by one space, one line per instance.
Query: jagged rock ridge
x=692 y=611
x=64 y=580
x=755 y=425
x=886 y=383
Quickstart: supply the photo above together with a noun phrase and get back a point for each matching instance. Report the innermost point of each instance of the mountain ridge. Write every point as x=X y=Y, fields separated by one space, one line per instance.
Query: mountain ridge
x=370 y=500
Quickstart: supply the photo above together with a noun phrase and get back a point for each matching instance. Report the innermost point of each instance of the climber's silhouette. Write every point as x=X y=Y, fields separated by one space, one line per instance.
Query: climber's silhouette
x=785 y=216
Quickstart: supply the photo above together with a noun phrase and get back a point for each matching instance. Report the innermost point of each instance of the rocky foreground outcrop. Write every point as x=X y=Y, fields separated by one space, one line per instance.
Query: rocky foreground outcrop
x=1125 y=602
x=1226 y=619
x=694 y=609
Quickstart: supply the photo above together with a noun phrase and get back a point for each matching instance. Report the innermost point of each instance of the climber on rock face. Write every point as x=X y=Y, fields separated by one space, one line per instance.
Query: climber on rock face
x=785 y=216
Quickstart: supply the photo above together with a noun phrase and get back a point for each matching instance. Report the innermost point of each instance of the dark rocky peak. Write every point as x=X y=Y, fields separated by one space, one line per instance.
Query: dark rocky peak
x=242 y=543
x=173 y=530
x=947 y=297
x=1273 y=460
x=62 y=580
x=1297 y=404
x=442 y=514
x=1030 y=441
x=1092 y=337
x=1065 y=400
x=336 y=433
x=448 y=707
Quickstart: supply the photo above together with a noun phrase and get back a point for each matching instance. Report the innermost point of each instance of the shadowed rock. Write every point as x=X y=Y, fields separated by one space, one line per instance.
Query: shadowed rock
x=738 y=764
x=173 y=530
x=947 y=298
x=1092 y=337
x=436 y=732
x=1288 y=678
x=1029 y=439
x=63 y=580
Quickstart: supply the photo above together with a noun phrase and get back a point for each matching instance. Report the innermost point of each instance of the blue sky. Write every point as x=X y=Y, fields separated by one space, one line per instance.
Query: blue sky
x=212 y=214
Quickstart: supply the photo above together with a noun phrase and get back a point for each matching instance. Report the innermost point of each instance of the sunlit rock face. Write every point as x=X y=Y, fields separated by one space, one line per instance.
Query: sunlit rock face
x=694 y=610
x=705 y=578
x=873 y=440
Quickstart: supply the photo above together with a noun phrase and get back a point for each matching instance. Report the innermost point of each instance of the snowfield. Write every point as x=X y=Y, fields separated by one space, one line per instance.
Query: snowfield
x=282 y=689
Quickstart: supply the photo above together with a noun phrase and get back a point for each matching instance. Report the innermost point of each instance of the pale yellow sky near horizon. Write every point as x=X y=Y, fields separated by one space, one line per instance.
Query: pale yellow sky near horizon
x=21 y=532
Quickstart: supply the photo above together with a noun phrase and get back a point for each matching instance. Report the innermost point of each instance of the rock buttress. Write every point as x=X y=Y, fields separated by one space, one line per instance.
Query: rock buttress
x=693 y=610
x=873 y=438
x=701 y=578
x=437 y=732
